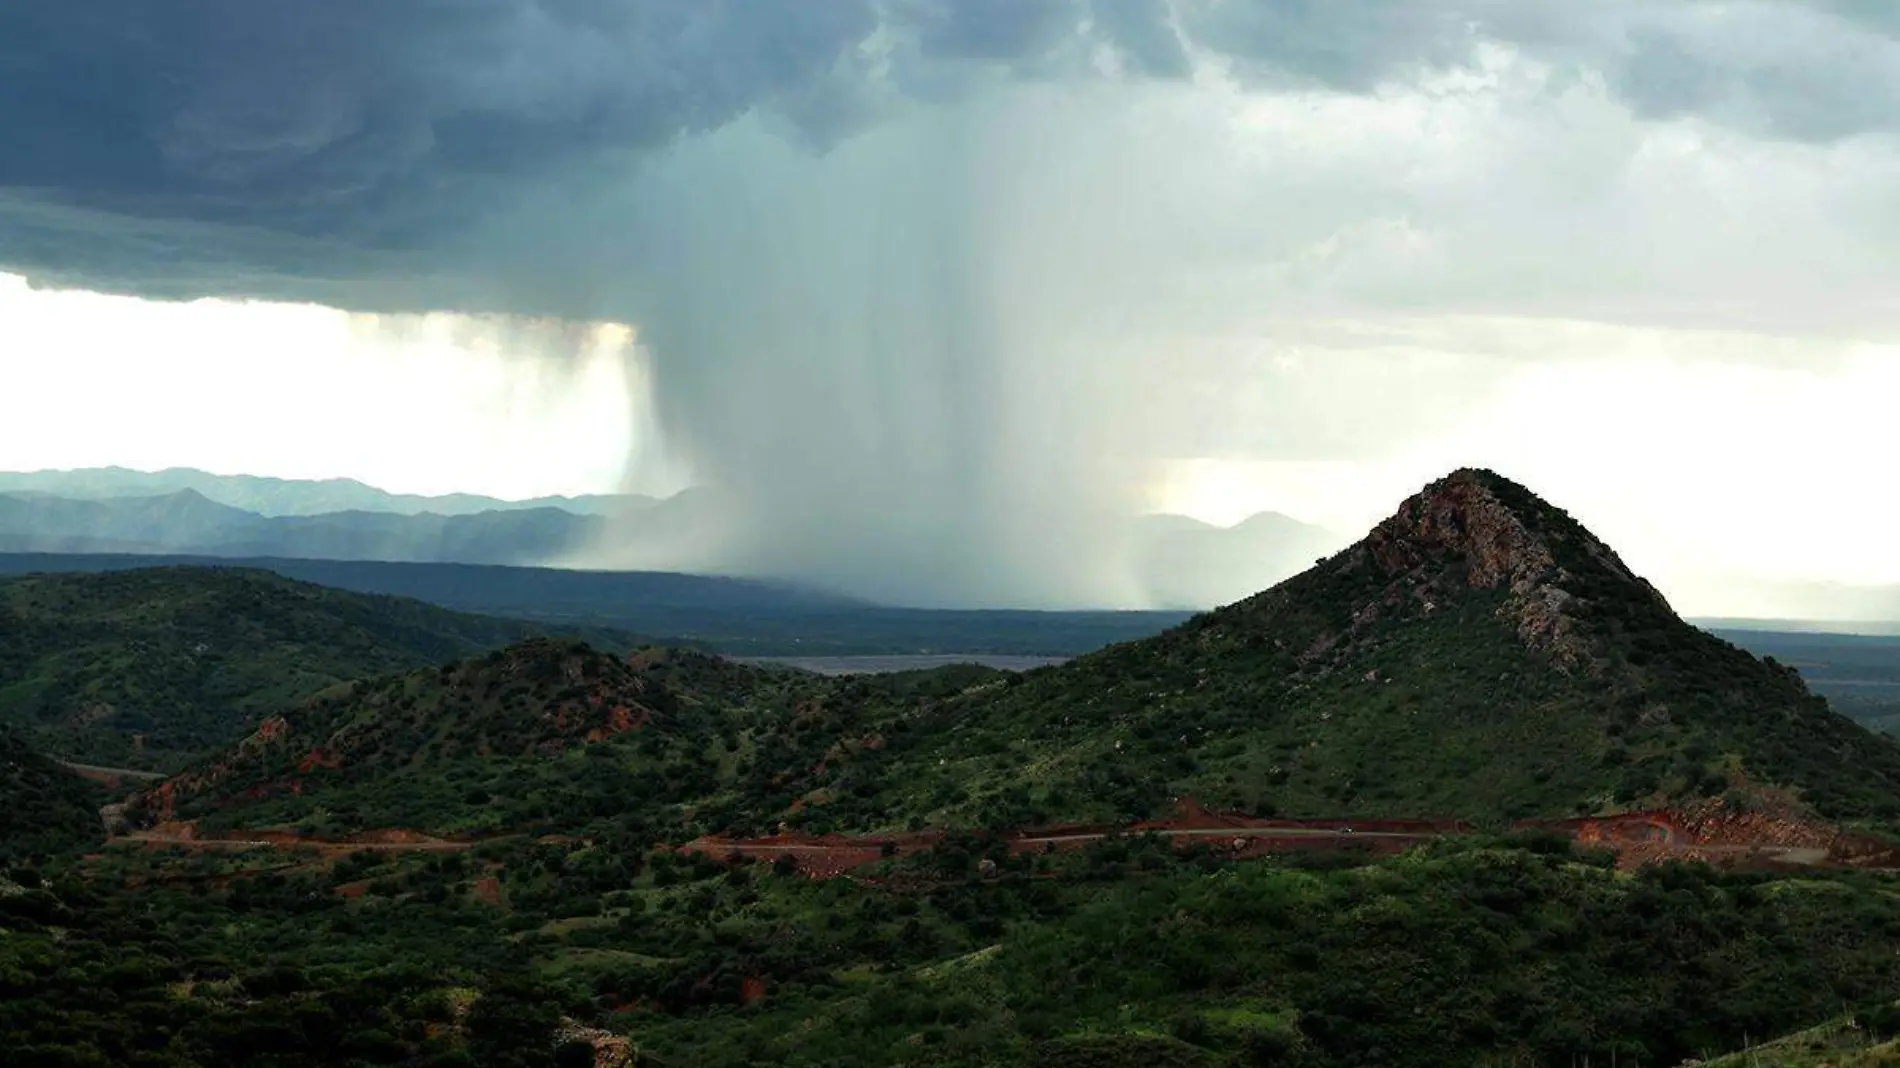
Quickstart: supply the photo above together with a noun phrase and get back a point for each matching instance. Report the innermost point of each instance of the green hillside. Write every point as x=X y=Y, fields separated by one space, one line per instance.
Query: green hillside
x=44 y=808
x=152 y=668
x=548 y=734
x=1123 y=957
x=1479 y=655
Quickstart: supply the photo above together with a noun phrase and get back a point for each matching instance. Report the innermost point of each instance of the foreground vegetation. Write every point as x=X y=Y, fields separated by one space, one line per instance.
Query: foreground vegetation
x=1465 y=954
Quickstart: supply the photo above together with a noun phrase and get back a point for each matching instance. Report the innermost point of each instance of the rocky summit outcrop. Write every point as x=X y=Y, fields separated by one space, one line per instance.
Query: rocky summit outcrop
x=1472 y=533
x=1477 y=530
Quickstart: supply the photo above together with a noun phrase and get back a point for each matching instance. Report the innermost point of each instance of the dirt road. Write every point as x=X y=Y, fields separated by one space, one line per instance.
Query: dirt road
x=186 y=837
x=1639 y=838
x=110 y=778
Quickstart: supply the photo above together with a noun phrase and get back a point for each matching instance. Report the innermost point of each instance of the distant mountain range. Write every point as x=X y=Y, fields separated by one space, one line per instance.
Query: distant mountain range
x=287 y=497
x=189 y=522
x=1188 y=564
x=1185 y=564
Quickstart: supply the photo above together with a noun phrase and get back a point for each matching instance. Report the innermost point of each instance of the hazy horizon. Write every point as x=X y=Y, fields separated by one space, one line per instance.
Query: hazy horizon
x=937 y=294
x=1873 y=611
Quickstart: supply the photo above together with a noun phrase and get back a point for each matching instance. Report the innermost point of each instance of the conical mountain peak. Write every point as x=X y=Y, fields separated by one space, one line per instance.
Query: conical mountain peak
x=1475 y=531
x=1506 y=536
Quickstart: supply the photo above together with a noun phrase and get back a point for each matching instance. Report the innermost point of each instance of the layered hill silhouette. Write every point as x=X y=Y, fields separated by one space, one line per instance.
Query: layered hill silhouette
x=1479 y=655
x=1181 y=563
x=187 y=521
x=284 y=496
x=152 y=668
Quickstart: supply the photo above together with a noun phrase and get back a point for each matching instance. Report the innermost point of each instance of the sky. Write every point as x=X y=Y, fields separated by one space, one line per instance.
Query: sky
x=96 y=380
x=939 y=292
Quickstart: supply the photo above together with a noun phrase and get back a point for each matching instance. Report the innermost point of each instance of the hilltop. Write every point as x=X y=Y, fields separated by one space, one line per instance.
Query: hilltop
x=1479 y=655
x=150 y=668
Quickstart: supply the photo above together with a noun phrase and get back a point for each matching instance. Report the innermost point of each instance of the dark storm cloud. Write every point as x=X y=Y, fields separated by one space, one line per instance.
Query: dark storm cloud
x=160 y=146
x=1143 y=32
x=368 y=117
x=1351 y=46
x=1813 y=75
x=905 y=269
x=989 y=29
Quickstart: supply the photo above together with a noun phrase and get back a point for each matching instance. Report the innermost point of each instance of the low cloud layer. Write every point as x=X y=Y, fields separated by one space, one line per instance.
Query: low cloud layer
x=929 y=286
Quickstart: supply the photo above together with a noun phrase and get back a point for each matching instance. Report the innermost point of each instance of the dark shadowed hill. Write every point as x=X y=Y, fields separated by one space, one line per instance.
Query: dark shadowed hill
x=1479 y=654
x=44 y=808
x=743 y=616
x=150 y=668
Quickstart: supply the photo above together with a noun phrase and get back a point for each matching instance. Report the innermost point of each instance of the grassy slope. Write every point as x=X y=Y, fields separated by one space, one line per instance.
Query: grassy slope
x=44 y=808
x=1864 y=1040
x=190 y=658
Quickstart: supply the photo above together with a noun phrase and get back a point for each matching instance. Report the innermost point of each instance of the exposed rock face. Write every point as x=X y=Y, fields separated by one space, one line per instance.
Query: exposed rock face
x=610 y=1050
x=1491 y=535
x=1461 y=514
x=158 y=805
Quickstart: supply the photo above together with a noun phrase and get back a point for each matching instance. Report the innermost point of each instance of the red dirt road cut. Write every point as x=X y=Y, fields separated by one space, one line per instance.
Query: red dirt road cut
x=1708 y=833
x=1721 y=835
x=829 y=856
x=184 y=834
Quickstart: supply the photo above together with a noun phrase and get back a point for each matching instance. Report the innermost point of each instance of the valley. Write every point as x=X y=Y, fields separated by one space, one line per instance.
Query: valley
x=1465 y=792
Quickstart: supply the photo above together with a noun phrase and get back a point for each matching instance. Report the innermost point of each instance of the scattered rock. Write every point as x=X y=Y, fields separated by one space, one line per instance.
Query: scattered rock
x=610 y=1050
